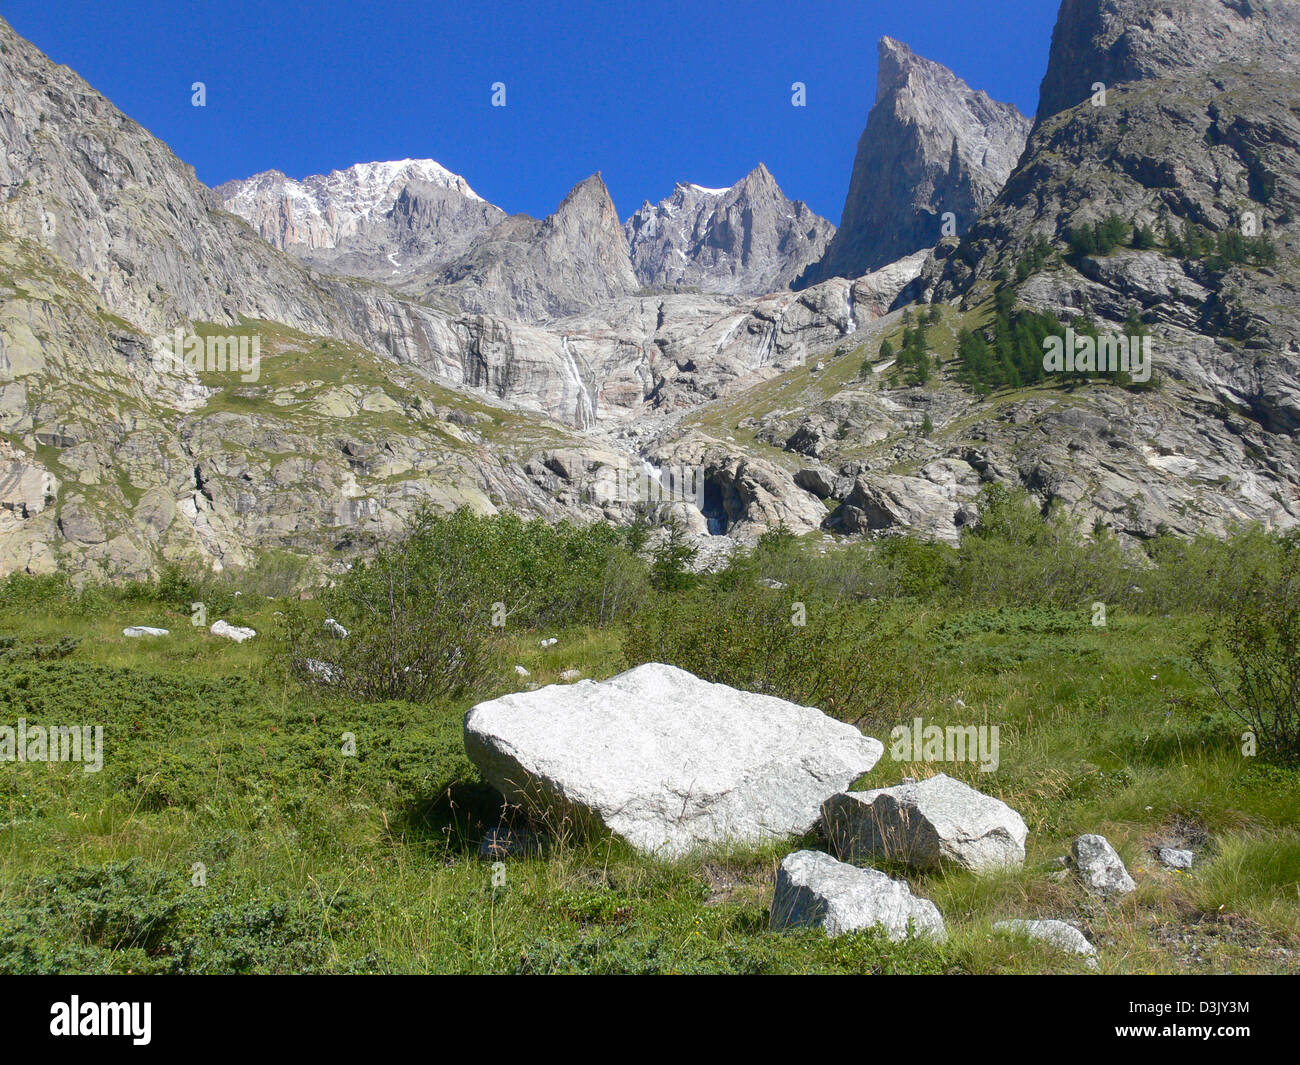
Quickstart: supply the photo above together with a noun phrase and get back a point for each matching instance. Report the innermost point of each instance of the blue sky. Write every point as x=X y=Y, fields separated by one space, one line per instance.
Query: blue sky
x=648 y=94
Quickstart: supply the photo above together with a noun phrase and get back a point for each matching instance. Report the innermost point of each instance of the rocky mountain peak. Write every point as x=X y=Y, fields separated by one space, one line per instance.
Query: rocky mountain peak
x=529 y=270
x=896 y=63
x=932 y=145
x=749 y=238
x=590 y=207
x=377 y=220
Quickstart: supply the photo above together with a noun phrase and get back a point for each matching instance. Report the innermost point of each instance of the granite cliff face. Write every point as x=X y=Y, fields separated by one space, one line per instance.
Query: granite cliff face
x=377 y=220
x=1123 y=41
x=749 y=239
x=932 y=145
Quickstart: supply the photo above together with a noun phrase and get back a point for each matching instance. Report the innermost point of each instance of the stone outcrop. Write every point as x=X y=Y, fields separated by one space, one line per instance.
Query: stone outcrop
x=1099 y=868
x=1121 y=41
x=664 y=760
x=1059 y=934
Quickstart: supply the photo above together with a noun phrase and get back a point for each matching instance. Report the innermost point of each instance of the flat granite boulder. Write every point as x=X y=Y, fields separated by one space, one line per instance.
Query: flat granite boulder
x=926 y=824
x=665 y=760
x=815 y=890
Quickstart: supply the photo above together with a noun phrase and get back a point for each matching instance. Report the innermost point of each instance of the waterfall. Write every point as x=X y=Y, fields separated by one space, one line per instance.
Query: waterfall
x=585 y=408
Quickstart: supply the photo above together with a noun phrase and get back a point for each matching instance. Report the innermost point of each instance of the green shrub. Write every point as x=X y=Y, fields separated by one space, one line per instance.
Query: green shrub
x=424 y=616
x=843 y=658
x=1261 y=684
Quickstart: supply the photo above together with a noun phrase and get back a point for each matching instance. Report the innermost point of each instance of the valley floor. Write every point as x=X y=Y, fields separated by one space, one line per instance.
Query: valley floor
x=228 y=832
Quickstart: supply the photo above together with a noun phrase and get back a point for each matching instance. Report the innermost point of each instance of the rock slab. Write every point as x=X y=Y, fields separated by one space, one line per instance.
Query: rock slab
x=665 y=760
x=815 y=890
x=926 y=824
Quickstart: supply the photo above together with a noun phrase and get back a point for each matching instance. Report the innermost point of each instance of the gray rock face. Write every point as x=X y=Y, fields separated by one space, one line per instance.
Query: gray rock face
x=1117 y=41
x=1199 y=138
x=1061 y=935
x=665 y=760
x=532 y=271
x=749 y=239
x=926 y=824
x=917 y=504
x=1099 y=868
x=813 y=890
x=932 y=145
x=383 y=221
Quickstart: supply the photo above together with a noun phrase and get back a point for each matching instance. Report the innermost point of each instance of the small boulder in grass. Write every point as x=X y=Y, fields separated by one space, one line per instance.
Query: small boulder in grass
x=521 y=671
x=136 y=631
x=1176 y=858
x=1059 y=934
x=928 y=823
x=322 y=671
x=238 y=633
x=1099 y=867
x=815 y=890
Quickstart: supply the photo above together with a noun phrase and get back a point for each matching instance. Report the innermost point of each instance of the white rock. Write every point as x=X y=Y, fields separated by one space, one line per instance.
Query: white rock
x=1099 y=867
x=571 y=674
x=335 y=629
x=238 y=633
x=323 y=670
x=1058 y=933
x=815 y=890
x=1175 y=858
x=548 y=642
x=522 y=672
x=144 y=630
x=933 y=822
x=665 y=760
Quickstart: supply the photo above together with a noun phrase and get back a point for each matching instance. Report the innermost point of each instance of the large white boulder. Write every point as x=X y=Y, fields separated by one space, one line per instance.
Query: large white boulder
x=926 y=824
x=665 y=760
x=815 y=890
